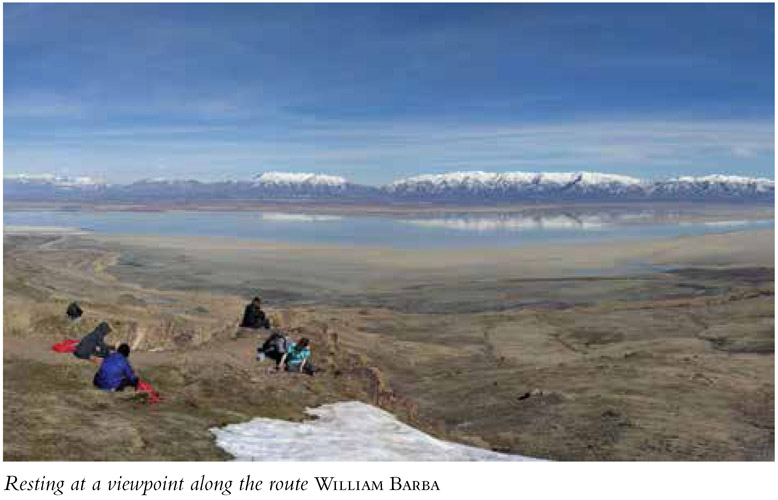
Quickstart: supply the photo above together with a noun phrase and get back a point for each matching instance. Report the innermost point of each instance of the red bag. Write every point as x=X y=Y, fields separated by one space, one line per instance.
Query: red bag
x=65 y=346
x=148 y=388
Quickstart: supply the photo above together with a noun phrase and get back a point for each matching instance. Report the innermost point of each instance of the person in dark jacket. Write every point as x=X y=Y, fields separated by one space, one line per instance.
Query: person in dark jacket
x=94 y=343
x=116 y=373
x=74 y=311
x=254 y=317
x=273 y=348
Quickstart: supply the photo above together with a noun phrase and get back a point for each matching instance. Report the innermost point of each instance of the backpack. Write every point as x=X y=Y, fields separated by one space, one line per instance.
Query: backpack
x=276 y=342
x=74 y=311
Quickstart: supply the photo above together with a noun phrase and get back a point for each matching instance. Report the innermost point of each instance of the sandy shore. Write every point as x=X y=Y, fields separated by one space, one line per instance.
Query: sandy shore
x=42 y=230
x=737 y=248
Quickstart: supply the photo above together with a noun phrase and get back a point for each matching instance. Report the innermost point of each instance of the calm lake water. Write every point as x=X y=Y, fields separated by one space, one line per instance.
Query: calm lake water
x=445 y=230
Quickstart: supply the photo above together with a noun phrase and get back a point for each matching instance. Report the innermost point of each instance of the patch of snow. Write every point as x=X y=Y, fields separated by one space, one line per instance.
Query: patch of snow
x=595 y=179
x=346 y=432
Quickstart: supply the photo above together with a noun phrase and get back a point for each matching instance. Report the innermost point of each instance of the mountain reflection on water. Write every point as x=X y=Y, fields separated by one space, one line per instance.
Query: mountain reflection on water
x=438 y=230
x=550 y=220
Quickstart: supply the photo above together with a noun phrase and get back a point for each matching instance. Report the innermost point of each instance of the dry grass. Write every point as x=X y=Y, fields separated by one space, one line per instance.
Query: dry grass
x=184 y=346
x=661 y=367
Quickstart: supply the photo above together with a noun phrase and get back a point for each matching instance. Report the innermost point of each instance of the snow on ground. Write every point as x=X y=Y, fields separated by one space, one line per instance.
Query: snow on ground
x=346 y=432
x=287 y=178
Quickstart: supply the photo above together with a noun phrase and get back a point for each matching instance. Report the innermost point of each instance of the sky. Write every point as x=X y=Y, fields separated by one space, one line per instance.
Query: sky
x=376 y=92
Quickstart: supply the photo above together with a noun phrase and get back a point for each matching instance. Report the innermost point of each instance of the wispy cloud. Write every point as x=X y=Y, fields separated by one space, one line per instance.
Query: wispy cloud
x=42 y=106
x=378 y=152
x=374 y=92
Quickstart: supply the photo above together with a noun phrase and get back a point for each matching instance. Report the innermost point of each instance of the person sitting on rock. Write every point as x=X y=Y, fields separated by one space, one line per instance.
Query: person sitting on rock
x=253 y=316
x=297 y=357
x=116 y=373
x=74 y=311
x=94 y=343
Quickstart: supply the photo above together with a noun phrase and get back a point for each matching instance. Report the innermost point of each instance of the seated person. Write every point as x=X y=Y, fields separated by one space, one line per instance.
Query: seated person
x=116 y=373
x=94 y=343
x=253 y=316
x=296 y=357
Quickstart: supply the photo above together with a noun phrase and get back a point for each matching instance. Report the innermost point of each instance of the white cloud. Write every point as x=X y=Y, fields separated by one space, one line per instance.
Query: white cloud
x=381 y=151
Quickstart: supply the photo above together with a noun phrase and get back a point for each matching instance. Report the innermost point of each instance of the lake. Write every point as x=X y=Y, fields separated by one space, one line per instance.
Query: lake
x=447 y=230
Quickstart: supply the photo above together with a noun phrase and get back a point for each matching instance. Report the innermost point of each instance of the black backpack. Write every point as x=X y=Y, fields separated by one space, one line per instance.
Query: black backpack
x=276 y=342
x=74 y=311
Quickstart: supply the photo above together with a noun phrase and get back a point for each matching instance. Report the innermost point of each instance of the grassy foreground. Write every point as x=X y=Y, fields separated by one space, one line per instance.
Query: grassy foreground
x=655 y=366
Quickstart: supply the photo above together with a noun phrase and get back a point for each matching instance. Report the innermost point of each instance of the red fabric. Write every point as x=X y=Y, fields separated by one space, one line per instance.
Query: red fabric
x=65 y=346
x=153 y=394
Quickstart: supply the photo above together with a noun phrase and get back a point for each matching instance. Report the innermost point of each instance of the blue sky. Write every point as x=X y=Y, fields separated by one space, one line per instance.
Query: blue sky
x=376 y=92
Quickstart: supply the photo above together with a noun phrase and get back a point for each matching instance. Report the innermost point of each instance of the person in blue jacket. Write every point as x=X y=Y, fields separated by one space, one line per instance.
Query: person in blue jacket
x=116 y=373
x=296 y=357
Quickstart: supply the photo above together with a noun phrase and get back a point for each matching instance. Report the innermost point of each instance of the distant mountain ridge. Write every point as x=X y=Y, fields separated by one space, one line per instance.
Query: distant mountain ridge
x=516 y=185
x=578 y=186
x=468 y=187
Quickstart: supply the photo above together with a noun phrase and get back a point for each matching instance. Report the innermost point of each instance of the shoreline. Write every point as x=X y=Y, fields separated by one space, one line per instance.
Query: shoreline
x=502 y=235
x=196 y=260
x=534 y=258
x=43 y=230
x=598 y=251
x=394 y=209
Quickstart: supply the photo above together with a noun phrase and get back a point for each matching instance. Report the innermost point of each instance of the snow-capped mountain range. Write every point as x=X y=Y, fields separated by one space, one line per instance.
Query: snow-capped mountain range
x=577 y=185
x=466 y=187
x=721 y=186
x=516 y=185
x=56 y=180
x=299 y=179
